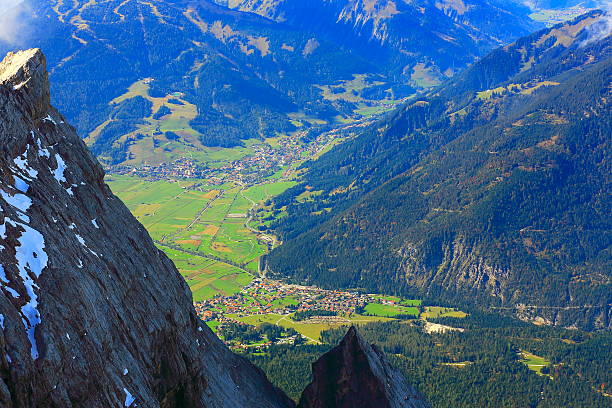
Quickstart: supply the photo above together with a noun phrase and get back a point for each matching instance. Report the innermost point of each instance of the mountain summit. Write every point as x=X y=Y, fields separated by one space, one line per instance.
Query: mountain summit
x=356 y=374
x=92 y=314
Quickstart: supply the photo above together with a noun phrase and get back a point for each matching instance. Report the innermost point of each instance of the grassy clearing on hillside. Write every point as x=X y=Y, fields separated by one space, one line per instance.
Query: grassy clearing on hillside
x=533 y=362
x=434 y=312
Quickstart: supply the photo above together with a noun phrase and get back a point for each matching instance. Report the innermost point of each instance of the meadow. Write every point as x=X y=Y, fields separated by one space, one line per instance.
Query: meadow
x=204 y=225
x=312 y=331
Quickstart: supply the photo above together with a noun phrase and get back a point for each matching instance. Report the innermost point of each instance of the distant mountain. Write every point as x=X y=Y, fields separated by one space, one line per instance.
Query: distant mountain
x=149 y=81
x=491 y=190
x=424 y=41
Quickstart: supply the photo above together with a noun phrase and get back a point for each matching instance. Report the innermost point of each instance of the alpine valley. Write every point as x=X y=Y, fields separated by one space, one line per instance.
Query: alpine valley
x=305 y=203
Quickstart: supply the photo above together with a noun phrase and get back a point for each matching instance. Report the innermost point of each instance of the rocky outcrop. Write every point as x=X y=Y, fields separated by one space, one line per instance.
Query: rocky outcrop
x=92 y=314
x=356 y=374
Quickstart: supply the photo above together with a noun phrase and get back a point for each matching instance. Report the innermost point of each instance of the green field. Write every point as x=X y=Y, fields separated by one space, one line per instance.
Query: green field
x=377 y=309
x=533 y=362
x=312 y=331
x=208 y=220
x=434 y=312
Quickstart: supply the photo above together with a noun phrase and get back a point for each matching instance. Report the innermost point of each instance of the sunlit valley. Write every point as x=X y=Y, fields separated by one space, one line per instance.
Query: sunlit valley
x=200 y=198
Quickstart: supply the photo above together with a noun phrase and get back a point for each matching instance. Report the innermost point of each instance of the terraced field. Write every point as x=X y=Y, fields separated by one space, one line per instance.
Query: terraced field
x=205 y=229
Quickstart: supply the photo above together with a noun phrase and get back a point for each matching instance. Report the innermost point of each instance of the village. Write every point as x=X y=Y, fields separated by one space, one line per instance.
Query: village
x=265 y=160
x=293 y=310
x=264 y=296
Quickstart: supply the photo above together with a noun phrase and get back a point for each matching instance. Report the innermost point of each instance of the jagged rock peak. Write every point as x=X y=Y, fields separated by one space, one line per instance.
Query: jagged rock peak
x=356 y=374
x=92 y=314
x=25 y=72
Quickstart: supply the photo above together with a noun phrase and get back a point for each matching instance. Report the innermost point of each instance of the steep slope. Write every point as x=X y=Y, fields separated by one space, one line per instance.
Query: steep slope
x=490 y=190
x=92 y=314
x=229 y=75
x=356 y=374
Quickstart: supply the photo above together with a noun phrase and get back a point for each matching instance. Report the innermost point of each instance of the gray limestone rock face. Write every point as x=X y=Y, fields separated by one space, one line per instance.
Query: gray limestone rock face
x=92 y=314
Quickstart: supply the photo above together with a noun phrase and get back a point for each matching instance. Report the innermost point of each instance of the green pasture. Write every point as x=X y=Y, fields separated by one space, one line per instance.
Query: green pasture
x=377 y=309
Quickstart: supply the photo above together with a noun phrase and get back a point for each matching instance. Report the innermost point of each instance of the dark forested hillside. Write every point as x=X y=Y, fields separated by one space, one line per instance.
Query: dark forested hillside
x=481 y=367
x=236 y=74
x=494 y=188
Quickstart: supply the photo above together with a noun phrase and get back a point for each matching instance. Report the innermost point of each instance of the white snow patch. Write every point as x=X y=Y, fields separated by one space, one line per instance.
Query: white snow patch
x=22 y=163
x=125 y=371
x=67 y=336
x=95 y=223
x=80 y=239
x=42 y=152
x=70 y=192
x=3 y=275
x=12 y=291
x=20 y=201
x=49 y=119
x=8 y=358
x=58 y=173
x=19 y=85
x=2 y=321
x=199 y=329
x=21 y=185
x=82 y=242
x=80 y=265
x=31 y=260
x=129 y=399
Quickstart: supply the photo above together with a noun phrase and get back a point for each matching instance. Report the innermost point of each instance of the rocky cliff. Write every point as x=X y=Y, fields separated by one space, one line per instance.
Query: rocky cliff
x=92 y=314
x=356 y=374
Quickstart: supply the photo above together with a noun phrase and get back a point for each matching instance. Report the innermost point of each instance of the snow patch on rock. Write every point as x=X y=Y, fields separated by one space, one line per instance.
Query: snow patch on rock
x=58 y=173
x=49 y=119
x=31 y=260
x=129 y=399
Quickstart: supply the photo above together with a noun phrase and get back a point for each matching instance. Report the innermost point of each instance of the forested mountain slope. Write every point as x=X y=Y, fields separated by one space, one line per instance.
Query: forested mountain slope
x=216 y=76
x=492 y=190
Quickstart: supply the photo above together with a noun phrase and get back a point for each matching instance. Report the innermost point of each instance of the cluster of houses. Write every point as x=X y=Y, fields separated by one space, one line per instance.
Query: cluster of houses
x=178 y=169
x=263 y=296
